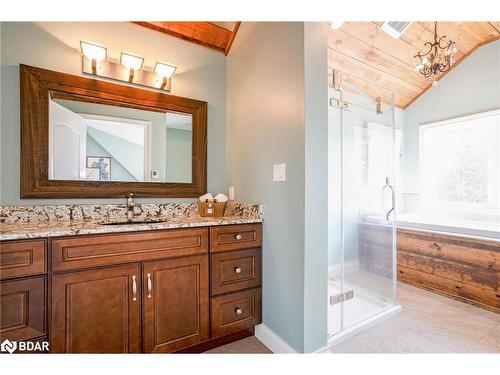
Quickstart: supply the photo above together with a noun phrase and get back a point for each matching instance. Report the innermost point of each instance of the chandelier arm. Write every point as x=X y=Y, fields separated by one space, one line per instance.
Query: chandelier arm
x=431 y=45
x=443 y=39
x=444 y=67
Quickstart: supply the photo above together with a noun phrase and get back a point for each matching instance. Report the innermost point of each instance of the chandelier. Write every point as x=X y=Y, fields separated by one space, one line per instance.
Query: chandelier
x=438 y=59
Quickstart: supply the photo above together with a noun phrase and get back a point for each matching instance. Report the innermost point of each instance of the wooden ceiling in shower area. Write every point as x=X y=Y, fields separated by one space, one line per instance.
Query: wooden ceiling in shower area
x=379 y=64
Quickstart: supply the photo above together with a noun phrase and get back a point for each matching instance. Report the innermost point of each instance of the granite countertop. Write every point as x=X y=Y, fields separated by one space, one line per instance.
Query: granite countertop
x=43 y=229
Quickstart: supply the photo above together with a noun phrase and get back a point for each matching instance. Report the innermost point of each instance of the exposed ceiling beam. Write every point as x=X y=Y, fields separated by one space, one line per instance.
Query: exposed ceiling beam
x=218 y=36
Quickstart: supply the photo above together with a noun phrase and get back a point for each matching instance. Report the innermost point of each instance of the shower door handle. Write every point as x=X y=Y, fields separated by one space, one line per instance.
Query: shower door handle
x=393 y=198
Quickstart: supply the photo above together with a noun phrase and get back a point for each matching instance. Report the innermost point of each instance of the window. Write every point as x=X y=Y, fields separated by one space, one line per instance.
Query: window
x=460 y=165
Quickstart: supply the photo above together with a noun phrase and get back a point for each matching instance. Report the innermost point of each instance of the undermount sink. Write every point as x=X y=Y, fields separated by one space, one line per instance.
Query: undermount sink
x=137 y=221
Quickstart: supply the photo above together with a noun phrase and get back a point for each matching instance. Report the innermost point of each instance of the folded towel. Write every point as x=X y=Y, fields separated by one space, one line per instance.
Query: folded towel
x=207 y=198
x=221 y=198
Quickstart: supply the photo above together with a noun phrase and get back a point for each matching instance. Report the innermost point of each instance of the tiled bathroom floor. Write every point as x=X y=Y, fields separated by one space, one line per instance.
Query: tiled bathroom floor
x=428 y=323
x=249 y=345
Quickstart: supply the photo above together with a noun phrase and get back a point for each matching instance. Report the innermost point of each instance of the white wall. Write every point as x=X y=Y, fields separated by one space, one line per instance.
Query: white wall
x=201 y=75
x=265 y=101
x=472 y=86
x=277 y=113
x=316 y=185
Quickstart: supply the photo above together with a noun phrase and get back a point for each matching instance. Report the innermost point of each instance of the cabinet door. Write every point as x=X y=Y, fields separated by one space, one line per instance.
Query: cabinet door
x=175 y=302
x=22 y=309
x=96 y=311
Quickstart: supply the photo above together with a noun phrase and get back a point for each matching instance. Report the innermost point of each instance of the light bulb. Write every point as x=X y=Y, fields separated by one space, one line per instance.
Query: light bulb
x=165 y=70
x=93 y=51
x=131 y=61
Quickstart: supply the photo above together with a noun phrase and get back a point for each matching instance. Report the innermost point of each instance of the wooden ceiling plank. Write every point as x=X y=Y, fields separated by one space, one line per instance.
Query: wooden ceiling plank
x=366 y=72
x=352 y=66
x=480 y=30
x=203 y=33
x=495 y=25
x=454 y=31
x=373 y=35
x=417 y=35
x=228 y=25
x=373 y=91
x=344 y=43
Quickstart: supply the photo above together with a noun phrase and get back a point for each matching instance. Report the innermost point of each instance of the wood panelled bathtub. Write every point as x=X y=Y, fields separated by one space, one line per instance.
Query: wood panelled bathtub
x=460 y=267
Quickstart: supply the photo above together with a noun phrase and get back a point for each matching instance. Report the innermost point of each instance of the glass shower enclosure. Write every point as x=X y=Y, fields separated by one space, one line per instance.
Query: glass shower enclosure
x=364 y=149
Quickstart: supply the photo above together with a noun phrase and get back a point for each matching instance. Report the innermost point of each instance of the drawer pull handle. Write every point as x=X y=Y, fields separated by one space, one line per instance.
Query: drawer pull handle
x=238 y=311
x=134 y=288
x=238 y=236
x=237 y=269
x=150 y=285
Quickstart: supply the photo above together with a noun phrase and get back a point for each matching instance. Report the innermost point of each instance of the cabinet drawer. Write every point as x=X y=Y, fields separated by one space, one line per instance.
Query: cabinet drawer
x=22 y=258
x=235 y=270
x=22 y=309
x=100 y=250
x=235 y=237
x=235 y=312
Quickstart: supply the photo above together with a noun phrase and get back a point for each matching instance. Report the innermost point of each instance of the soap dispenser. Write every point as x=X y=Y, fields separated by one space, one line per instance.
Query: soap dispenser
x=231 y=203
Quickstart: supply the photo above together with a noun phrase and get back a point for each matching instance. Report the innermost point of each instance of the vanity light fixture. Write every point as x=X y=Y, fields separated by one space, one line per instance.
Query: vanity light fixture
x=94 y=52
x=132 y=62
x=165 y=72
x=130 y=68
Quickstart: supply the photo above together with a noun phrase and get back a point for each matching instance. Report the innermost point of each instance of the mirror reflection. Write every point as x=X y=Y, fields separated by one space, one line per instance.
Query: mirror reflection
x=97 y=142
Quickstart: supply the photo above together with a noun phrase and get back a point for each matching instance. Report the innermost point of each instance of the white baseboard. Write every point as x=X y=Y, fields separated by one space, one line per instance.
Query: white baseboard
x=270 y=339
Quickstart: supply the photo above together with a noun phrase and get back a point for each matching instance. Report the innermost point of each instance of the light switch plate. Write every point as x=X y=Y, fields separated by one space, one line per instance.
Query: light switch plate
x=279 y=172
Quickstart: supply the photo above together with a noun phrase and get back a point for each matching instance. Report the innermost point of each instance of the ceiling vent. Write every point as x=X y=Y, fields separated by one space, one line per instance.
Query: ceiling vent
x=395 y=28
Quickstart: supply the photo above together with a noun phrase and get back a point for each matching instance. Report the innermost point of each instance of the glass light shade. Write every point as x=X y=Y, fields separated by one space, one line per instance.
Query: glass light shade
x=165 y=70
x=93 y=51
x=131 y=61
x=336 y=24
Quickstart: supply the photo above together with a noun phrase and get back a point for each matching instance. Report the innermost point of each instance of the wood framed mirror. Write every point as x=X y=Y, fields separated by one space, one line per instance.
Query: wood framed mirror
x=88 y=138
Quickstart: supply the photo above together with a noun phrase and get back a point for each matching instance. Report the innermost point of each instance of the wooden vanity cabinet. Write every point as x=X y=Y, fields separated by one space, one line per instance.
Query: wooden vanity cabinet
x=175 y=303
x=23 y=290
x=97 y=311
x=22 y=308
x=153 y=292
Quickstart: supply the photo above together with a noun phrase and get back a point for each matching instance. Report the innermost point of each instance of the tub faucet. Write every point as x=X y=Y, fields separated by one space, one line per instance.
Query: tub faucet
x=130 y=207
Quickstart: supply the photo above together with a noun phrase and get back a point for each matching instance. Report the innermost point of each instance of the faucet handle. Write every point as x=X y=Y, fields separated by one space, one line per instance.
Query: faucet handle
x=130 y=200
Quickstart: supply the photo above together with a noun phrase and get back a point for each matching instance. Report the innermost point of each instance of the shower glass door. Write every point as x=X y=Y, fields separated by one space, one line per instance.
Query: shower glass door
x=362 y=278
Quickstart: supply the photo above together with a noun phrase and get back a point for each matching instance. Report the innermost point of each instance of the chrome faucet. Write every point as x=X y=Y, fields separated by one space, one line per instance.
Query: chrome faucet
x=130 y=207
